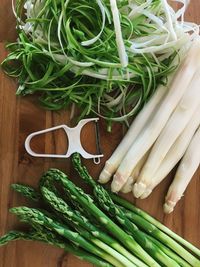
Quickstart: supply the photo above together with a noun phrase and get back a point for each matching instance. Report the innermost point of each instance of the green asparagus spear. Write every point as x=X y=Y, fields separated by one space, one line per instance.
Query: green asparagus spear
x=88 y=229
x=88 y=236
x=61 y=206
x=52 y=239
x=49 y=183
x=36 y=216
x=105 y=201
x=87 y=203
x=158 y=235
x=170 y=253
x=27 y=191
x=75 y=217
x=99 y=192
x=165 y=235
x=12 y=236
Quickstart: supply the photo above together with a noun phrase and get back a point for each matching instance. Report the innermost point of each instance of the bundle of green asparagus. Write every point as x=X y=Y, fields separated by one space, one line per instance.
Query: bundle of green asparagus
x=101 y=228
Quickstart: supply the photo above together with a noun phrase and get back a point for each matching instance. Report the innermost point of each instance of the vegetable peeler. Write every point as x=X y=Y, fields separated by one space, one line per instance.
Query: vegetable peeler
x=74 y=140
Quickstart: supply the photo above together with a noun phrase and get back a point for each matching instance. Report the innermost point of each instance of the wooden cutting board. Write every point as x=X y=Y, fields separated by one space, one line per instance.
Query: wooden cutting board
x=21 y=116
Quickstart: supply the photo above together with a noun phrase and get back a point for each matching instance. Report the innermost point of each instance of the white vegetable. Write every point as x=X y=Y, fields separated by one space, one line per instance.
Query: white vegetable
x=184 y=174
x=166 y=23
x=134 y=175
x=127 y=188
x=118 y=32
x=138 y=9
x=151 y=132
x=96 y=38
x=140 y=121
x=161 y=48
x=103 y=74
x=138 y=124
x=169 y=20
x=175 y=154
x=174 y=127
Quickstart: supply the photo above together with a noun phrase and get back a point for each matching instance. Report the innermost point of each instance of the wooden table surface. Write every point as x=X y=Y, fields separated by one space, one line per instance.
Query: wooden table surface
x=21 y=116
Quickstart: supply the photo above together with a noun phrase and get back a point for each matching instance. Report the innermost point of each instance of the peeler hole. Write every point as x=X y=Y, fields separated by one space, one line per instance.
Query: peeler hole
x=53 y=142
x=97 y=160
x=88 y=138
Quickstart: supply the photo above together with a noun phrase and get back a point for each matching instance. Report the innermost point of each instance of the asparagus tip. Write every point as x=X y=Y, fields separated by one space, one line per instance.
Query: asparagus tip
x=104 y=176
x=127 y=188
x=169 y=206
x=117 y=183
x=106 y=173
x=146 y=193
x=139 y=189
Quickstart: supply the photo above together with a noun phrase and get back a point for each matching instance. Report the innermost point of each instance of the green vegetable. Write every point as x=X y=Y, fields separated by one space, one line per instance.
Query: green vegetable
x=106 y=203
x=75 y=217
x=86 y=202
x=50 y=238
x=104 y=56
x=38 y=217
x=104 y=247
x=170 y=253
x=148 y=222
x=27 y=191
x=76 y=222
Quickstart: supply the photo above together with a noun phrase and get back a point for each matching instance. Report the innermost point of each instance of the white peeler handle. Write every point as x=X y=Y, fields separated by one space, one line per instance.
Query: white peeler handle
x=74 y=140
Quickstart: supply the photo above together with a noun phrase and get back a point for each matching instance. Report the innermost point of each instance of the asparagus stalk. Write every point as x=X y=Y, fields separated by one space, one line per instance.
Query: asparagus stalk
x=175 y=154
x=12 y=236
x=159 y=235
x=52 y=239
x=87 y=235
x=38 y=217
x=105 y=201
x=181 y=115
x=86 y=201
x=134 y=175
x=27 y=191
x=184 y=254
x=127 y=188
x=74 y=216
x=188 y=166
x=170 y=253
x=150 y=133
x=137 y=125
x=49 y=183
x=76 y=219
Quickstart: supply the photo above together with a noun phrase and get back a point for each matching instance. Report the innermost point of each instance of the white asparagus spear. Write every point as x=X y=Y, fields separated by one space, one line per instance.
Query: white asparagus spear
x=150 y=133
x=127 y=188
x=137 y=125
x=189 y=164
x=175 y=153
x=172 y=130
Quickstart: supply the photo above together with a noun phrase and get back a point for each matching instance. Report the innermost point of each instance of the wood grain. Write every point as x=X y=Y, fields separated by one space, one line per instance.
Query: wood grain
x=19 y=117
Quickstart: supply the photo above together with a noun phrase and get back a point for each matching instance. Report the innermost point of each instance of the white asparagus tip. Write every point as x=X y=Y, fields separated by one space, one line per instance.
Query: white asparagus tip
x=169 y=206
x=106 y=173
x=118 y=182
x=104 y=176
x=139 y=189
x=127 y=188
x=146 y=193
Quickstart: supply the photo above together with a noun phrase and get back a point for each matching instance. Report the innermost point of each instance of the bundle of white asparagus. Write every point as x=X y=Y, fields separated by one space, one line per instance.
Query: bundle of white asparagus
x=166 y=131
